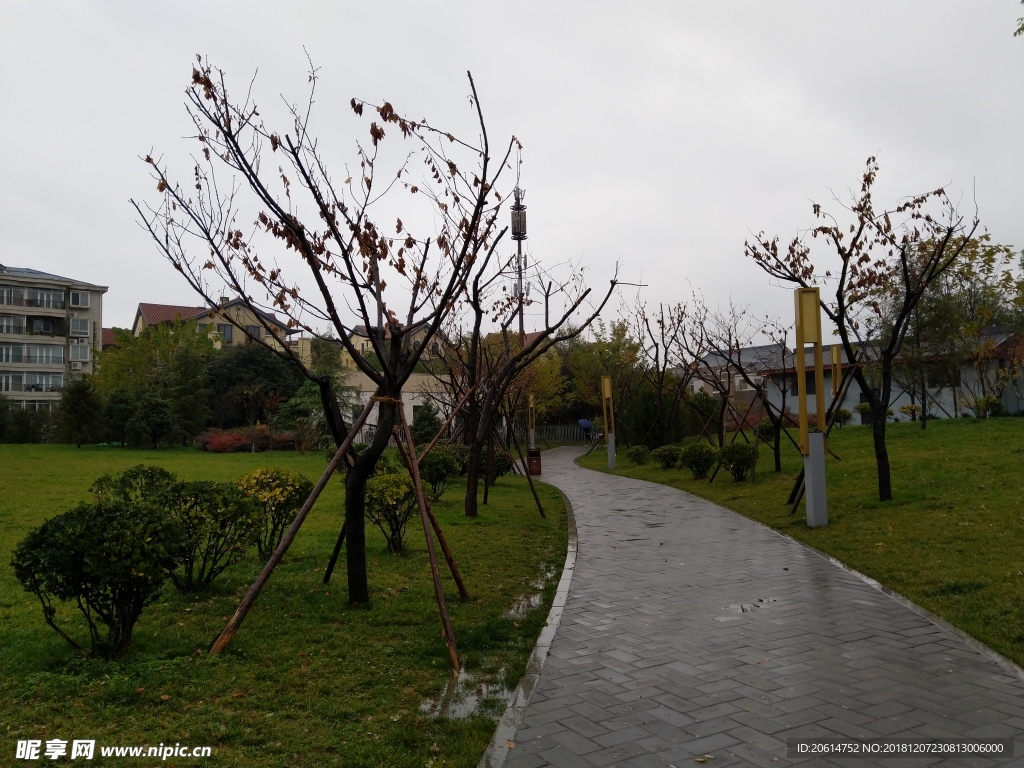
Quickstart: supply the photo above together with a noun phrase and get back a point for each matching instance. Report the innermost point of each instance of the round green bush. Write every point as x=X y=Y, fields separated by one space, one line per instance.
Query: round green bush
x=739 y=459
x=390 y=500
x=638 y=454
x=439 y=470
x=277 y=494
x=699 y=459
x=111 y=559
x=666 y=455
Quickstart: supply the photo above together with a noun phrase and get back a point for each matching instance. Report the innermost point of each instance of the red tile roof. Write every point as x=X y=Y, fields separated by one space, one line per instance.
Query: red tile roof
x=154 y=314
x=108 y=338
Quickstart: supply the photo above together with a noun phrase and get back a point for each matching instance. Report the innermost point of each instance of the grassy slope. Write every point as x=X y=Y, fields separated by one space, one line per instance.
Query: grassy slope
x=308 y=680
x=951 y=539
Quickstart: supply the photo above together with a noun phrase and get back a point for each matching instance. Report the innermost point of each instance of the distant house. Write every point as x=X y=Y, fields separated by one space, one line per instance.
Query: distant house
x=951 y=388
x=230 y=324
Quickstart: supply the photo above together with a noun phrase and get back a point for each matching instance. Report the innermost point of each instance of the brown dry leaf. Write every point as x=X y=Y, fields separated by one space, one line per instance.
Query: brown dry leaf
x=237 y=695
x=140 y=690
x=510 y=744
x=165 y=697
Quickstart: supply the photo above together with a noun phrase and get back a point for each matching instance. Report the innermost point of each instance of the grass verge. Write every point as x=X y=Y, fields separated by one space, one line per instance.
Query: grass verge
x=951 y=539
x=309 y=680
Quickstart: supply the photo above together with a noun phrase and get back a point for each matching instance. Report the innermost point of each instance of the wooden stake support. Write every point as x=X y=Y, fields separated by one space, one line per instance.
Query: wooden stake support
x=446 y=622
x=286 y=541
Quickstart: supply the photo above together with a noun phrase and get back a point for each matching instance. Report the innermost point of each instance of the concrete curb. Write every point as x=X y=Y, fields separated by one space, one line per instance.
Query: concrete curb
x=497 y=751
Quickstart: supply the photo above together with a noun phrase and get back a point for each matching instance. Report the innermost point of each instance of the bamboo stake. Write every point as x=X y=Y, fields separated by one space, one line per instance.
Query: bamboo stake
x=286 y=541
x=334 y=555
x=452 y=563
x=526 y=471
x=451 y=416
x=446 y=622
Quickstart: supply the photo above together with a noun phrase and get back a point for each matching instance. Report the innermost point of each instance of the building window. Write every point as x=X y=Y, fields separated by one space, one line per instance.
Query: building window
x=43 y=382
x=252 y=331
x=811 y=388
x=12 y=324
x=36 y=405
x=12 y=296
x=80 y=299
x=80 y=327
x=11 y=353
x=435 y=348
x=224 y=329
x=44 y=354
x=80 y=352
x=10 y=382
x=46 y=299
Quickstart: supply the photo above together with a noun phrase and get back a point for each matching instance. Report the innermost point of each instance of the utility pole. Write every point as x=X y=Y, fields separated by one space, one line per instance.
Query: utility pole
x=519 y=234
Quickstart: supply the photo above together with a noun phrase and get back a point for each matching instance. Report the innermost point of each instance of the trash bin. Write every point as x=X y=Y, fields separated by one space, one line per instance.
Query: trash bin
x=533 y=460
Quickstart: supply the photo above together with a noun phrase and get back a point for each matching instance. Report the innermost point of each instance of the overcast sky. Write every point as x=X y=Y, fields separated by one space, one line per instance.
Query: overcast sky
x=656 y=134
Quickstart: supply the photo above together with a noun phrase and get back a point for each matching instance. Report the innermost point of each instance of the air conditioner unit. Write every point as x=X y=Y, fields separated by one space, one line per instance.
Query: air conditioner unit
x=76 y=366
x=74 y=314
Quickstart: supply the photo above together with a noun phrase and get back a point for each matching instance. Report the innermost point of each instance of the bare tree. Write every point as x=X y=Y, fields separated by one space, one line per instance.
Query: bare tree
x=384 y=276
x=666 y=368
x=886 y=258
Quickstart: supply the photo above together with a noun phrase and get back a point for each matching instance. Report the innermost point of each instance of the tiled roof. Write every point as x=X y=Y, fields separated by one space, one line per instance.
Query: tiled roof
x=109 y=339
x=27 y=272
x=154 y=314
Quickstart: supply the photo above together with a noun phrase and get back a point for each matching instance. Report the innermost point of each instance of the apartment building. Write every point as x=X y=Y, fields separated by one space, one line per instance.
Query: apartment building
x=50 y=330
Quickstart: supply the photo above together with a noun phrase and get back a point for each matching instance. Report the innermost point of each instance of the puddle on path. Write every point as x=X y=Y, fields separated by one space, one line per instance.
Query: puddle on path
x=471 y=694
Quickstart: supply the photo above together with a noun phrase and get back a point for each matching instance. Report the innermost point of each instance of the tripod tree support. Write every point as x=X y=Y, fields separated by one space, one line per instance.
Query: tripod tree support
x=526 y=471
x=446 y=622
x=437 y=529
x=453 y=564
x=812 y=445
x=608 y=410
x=286 y=541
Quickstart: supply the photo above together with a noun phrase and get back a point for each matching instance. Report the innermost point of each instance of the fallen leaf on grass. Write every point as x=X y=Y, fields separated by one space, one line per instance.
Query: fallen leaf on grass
x=165 y=697
x=140 y=690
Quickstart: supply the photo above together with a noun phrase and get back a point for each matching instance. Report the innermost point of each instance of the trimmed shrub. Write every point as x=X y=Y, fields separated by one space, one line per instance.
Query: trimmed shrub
x=666 y=455
x=766 y=429
x=503 y=464
x=110 y=558
x=439 y=471
x=140 y=484
x=277 y=495
x=216 y=441
x=699 y=459
x=237 y=441
x=390 y=500
x=460 y=452
x=219 y=524
x=638 y=454
x=843 y=417
x=739 y=459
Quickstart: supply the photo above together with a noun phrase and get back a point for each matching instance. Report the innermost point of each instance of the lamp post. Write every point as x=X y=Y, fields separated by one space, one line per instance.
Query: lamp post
x=608 y=409
x=812 y=445
x=519 y=234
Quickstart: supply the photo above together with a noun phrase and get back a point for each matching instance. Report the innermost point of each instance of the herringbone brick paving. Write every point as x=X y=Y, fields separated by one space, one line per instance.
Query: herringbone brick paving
x=691 y=631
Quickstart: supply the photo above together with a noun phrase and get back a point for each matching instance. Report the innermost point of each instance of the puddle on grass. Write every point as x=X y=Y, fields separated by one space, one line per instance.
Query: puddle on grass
x=466 y=695
x=471 y=694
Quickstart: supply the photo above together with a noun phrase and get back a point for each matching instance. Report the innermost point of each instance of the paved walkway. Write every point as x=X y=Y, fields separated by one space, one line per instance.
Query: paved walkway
x=691 y=631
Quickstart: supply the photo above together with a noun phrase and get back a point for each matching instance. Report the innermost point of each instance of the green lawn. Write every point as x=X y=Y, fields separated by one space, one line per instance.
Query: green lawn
x=308 y=680
x=952 y=538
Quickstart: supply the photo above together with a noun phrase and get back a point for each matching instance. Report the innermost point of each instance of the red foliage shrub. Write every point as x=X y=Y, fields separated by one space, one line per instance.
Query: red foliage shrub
x=217 y=441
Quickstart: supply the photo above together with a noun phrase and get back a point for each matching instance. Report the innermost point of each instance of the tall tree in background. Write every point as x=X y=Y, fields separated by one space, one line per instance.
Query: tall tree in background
x=354 y=240
x=885 y=261
x=166 y=364
x=80 y=409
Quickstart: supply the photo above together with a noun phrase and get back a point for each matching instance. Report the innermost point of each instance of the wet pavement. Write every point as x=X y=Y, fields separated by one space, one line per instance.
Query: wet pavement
x=691 y=634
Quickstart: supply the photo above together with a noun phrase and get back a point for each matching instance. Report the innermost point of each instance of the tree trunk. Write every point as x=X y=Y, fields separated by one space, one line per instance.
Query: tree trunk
x=472 y=481
x=879 y=414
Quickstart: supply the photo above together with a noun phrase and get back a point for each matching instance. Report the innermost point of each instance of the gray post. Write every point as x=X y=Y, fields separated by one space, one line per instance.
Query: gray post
x=814 y=481
x=611 y=450
x=533 y=438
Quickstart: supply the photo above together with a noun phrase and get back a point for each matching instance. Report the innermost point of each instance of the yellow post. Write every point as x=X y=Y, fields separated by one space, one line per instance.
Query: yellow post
x=808 y=331
x=608 y=410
